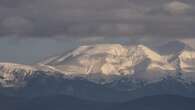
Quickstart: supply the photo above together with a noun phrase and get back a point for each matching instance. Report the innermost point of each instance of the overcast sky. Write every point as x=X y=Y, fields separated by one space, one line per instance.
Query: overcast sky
x=33 y=29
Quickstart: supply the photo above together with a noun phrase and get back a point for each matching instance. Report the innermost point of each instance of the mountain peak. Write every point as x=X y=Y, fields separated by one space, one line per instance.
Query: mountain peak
x=106 y=59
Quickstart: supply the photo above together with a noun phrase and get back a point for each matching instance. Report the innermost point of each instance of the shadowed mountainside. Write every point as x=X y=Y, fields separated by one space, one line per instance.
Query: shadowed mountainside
x=62 y=102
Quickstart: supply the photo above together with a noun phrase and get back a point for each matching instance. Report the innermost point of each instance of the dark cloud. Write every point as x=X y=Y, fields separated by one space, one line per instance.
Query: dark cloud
x=79 y=22
x=17 y=25
x=35 y=18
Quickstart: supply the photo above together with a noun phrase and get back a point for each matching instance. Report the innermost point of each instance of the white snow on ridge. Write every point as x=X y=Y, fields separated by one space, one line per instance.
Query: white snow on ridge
x=10 y=67
x=187 y=59
x=14 y=74
x=109 y=59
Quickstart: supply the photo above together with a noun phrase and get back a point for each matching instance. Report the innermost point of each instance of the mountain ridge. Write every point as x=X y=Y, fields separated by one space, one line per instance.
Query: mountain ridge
x=110 y=60
x=116 y=71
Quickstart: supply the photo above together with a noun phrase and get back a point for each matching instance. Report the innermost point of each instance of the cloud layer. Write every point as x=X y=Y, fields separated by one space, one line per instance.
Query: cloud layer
x=51 y=18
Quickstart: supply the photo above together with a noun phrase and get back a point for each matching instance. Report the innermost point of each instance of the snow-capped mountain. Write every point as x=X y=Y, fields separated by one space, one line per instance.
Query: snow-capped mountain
x=181 y=56
x=108 y=61
x=14 y=74
x=104 y=72
x=111 y=59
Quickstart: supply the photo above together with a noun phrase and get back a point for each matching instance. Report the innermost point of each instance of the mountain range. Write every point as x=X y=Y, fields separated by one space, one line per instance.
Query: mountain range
x=105 y=72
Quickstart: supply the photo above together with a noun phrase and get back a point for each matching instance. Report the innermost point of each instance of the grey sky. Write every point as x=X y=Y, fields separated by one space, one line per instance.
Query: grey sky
x=44 y=27
x=38 y=18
